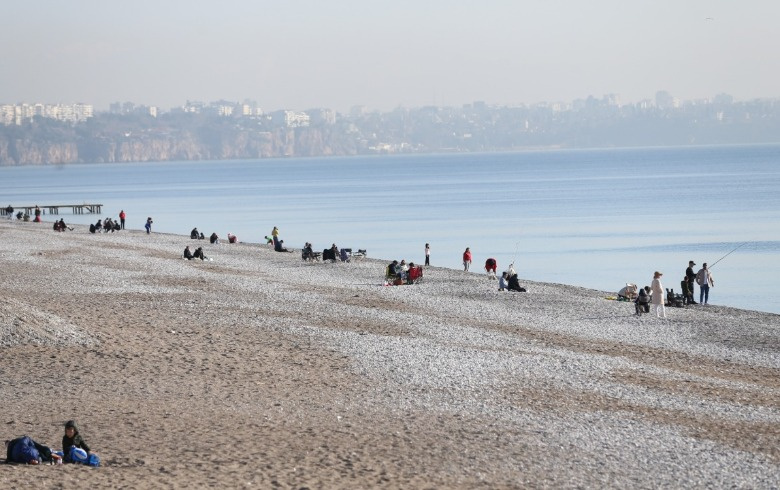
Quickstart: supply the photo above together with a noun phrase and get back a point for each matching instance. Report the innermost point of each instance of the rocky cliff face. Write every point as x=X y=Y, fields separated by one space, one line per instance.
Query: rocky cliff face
x=185 y=145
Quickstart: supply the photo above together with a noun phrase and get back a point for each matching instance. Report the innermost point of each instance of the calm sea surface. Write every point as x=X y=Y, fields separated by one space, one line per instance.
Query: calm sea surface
x=594 y=218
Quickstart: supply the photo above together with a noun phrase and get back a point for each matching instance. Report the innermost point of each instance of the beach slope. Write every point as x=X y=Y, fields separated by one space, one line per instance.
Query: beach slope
x=257 y=370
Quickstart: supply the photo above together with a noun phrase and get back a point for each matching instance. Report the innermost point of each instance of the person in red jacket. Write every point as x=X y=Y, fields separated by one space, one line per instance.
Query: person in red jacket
x=466 y=259
x=122 y=217
x=490 y=267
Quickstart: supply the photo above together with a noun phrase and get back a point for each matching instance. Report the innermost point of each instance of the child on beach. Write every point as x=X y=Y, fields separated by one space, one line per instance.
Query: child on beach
x=72 y=441
x=148 y=225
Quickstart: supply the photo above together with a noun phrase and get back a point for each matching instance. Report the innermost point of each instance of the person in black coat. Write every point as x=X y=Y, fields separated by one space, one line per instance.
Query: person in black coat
x=514 y=284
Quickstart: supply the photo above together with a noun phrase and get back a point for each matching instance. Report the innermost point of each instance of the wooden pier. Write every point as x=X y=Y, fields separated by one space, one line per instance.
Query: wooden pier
x=55 y=209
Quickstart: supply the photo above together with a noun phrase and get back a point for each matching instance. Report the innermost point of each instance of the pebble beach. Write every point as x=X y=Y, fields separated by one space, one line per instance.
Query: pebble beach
x=258 y=370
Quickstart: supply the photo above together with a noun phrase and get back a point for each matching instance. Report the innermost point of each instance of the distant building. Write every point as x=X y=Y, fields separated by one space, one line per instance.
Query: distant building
x=20 y=113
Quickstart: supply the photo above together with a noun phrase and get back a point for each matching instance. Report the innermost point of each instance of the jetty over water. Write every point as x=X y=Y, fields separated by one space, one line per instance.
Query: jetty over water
x=55 y=209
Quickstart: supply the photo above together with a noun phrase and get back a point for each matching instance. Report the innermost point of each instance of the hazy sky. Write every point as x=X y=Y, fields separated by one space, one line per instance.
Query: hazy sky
x=301 y=54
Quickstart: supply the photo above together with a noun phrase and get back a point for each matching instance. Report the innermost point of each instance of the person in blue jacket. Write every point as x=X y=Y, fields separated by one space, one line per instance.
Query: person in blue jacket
x=26 y=451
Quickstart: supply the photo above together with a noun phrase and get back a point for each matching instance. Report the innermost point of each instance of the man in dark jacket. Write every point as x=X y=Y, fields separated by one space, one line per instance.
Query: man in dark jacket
x=690 y=277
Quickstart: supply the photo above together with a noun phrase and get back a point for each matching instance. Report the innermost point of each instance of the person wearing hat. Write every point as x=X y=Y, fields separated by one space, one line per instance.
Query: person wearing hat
x=657 y=291
x=690 y=276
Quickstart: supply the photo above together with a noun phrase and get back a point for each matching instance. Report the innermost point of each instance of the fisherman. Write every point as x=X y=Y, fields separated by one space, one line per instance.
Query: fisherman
x=704 y=279
x=690 y=276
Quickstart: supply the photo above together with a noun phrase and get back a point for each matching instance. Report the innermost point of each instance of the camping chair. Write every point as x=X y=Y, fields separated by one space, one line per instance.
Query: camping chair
x=414 y=275
x=391 y=278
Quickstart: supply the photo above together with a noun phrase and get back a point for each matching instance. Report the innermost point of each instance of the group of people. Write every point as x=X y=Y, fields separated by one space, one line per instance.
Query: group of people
x=397 y=273
x=106 y=225
x=25 y=450
x=61 y=226
x=703 y=278
x=198 y=254
x=278 y=244
x=654 y=294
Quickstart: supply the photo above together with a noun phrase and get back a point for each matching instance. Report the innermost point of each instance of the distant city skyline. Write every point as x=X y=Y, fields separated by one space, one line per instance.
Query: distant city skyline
x=304 y=54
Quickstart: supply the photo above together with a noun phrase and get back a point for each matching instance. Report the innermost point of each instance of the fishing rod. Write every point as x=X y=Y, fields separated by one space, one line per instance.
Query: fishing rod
x=735 y=249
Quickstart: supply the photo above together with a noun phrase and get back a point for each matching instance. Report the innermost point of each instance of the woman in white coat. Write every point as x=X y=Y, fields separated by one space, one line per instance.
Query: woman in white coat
x=657 y=290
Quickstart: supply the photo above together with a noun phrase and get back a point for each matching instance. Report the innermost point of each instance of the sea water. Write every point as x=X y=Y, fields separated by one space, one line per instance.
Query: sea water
x=593 y=218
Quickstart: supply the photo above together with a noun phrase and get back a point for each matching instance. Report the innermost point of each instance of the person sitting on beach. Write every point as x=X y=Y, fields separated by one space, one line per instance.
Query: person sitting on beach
x=642 y=301
x=393 y=271
x=490 y=267
x=108 y=225
x=280 y=246
x=188 y=253
x=514 y=284
x=687 y=293
x=199 y=254
x=232 y=238
x=502 y=282
x=214 y=238
x=308 y=252
x=194 y=234
x=73 y=440
x=98 y=226
x=26 y=451
x=62 y=226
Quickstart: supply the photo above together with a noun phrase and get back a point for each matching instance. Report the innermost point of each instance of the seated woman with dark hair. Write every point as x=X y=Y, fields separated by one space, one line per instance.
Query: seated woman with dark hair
x=188 y=253
x=199 y=254
x=514 y=284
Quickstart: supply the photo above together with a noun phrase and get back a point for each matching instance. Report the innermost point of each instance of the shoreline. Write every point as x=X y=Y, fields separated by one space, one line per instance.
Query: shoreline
x=257 y=368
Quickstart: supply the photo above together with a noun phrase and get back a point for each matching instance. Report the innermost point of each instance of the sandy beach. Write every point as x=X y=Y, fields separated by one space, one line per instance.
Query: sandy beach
x=259 y=370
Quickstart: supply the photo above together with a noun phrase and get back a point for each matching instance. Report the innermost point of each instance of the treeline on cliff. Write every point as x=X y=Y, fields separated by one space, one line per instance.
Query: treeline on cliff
x=182 y=136
x=109 y=138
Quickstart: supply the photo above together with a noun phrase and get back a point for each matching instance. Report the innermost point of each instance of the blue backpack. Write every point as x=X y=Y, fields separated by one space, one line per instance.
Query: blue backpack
x=24 y=451
x=79 y=456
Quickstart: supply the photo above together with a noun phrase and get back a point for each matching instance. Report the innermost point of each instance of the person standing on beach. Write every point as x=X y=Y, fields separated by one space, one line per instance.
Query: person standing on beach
x=657 y=291
x=427 y=253
x=122 y=217
x=466 y=259
x=690 y=276
x=704 y=279
x=148 y=225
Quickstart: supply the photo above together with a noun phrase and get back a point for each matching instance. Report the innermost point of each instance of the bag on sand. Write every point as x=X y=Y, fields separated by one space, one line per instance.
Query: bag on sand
x=77 y=455
x=93 y=460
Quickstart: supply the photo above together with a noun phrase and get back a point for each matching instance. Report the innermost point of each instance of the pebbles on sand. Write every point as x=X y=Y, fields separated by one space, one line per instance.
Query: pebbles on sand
x=258 y=369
